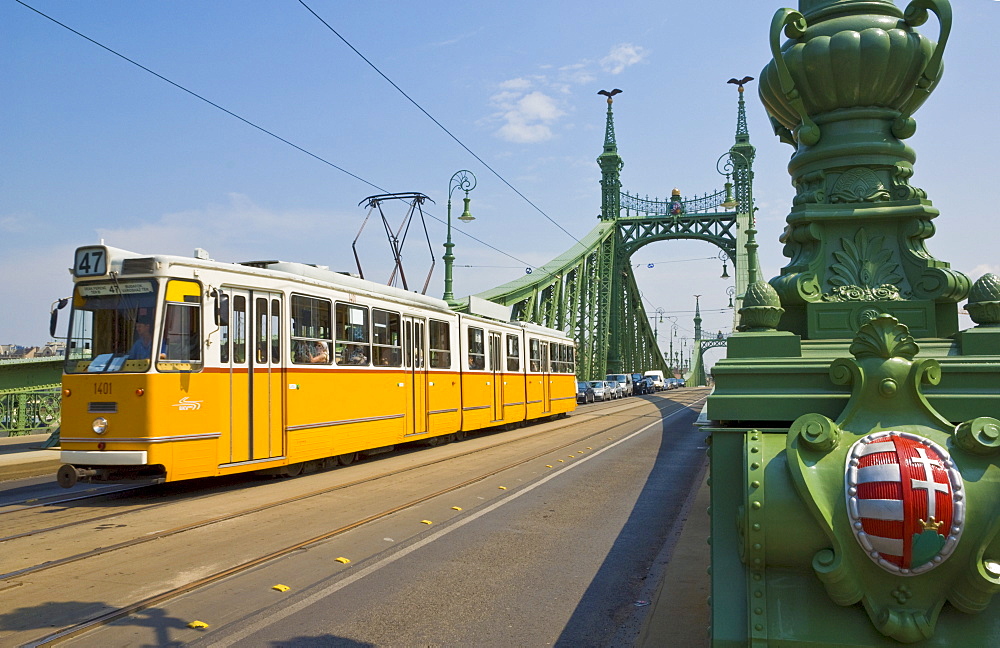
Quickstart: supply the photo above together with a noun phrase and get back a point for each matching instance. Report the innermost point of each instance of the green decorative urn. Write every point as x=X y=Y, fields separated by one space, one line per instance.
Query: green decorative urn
x=842 y=90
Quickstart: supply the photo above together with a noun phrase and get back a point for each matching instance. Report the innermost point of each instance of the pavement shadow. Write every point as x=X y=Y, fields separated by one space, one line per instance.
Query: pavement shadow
x=660 y=512
x=51 y=617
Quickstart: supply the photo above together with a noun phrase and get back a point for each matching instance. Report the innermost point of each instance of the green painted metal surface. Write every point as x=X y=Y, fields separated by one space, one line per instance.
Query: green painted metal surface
x=855 y=436
x=29 y=395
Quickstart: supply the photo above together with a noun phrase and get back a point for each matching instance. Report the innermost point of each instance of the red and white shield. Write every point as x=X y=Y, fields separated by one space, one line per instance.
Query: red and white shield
x=905 y=501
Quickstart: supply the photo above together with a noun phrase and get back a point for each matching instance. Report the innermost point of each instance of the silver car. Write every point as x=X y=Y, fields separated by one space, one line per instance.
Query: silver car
x=600 y=390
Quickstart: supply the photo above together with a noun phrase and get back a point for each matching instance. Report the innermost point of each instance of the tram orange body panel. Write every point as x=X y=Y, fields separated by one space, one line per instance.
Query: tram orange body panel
x=223 y=383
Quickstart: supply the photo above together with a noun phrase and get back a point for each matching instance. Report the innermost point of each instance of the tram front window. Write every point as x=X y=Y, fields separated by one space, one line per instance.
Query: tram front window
x=111 y=327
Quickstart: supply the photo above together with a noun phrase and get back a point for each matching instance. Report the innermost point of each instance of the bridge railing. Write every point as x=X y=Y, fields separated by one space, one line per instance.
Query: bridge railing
x=29 y=410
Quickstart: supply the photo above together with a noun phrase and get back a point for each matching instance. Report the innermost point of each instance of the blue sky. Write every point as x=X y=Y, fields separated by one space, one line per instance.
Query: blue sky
x=94 y=147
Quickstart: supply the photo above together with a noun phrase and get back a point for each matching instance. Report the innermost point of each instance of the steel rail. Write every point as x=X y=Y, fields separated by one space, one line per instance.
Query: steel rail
x=34 y=569
x=109 y=617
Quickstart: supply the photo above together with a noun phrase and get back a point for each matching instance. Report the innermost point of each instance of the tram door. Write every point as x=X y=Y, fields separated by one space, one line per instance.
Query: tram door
x=255 y=393
x=546 y=379
x=414 y=364
x=496 y=358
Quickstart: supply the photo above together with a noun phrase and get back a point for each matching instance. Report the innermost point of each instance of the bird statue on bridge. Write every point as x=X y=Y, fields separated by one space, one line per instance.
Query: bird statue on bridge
x=609 y=94
x=741 y=82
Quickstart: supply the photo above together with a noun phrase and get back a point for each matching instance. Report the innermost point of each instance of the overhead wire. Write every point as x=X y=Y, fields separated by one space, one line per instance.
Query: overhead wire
x=437 y=123
x=248 y=122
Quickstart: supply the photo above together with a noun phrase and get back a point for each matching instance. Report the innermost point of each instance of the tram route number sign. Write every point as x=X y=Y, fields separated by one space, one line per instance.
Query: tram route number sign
x=123 y=288
x=91 y=262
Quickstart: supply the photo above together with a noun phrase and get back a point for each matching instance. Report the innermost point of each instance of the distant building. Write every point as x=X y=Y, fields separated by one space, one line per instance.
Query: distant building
x=16 y=352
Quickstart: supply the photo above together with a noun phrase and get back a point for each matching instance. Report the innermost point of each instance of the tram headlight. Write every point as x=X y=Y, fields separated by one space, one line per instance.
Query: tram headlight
x=100 y=425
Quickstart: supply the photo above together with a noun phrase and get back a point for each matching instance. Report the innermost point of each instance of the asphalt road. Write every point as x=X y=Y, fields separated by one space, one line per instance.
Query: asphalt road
x=567 y=555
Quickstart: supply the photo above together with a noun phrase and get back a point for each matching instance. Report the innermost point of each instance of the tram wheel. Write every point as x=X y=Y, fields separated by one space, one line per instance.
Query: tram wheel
x=461 y=435
x=347 y=459
x=293 y=470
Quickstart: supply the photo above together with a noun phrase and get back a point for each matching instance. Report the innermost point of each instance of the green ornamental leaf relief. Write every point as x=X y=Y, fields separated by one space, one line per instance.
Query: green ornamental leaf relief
x=863 y=269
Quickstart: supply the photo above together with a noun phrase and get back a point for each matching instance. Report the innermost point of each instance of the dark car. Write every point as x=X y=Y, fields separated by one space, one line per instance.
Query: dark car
x=584 y=392
x=645 y=386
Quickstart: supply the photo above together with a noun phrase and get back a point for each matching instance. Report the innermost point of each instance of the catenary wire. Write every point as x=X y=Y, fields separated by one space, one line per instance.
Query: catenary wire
x=252 y=124
x=436 y=122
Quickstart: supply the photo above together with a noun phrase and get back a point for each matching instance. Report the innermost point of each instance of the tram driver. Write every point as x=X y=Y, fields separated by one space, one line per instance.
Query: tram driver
x=143 y=345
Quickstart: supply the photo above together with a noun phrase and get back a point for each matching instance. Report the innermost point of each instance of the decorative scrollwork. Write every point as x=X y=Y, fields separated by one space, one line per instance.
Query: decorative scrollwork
x=647 y=207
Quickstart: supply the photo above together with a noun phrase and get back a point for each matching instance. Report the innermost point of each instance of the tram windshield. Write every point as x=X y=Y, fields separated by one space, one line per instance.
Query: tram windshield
x=111 y=327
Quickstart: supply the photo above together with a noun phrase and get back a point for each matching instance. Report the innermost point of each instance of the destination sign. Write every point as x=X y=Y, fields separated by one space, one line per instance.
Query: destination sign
x=121 y=288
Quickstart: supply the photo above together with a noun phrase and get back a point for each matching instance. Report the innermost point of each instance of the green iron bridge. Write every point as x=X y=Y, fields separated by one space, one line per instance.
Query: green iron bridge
x=590 y=291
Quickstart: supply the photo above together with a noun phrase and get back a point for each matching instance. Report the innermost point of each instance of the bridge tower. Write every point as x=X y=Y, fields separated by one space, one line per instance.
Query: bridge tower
x=590 y=291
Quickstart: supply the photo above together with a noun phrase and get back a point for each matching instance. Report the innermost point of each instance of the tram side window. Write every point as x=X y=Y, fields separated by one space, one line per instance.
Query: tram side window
x=565 y=359
x=223 y=328
x=352 y=341
x=545 y=357
x=239 y=329
x=275 y=331
x=386 y=349
x=513 y=353
x=181 y=347
x=571 y=359
x=310 y=329
x=440 y=345
x=477 y=348
x=534 y=354
x=561 y=361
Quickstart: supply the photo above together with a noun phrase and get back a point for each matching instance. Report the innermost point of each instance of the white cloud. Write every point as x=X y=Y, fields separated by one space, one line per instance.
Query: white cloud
x=233 y=230
x=527 y=118
x=622 y=56
x=16 y=223
x=528 y=108
x=519 y=84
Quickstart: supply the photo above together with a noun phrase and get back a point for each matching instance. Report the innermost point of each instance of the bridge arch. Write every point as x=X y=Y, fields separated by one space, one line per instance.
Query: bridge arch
x=590 y=291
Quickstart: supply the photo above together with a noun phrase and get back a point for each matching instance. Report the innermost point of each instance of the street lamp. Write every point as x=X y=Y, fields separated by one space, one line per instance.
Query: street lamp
x=465 y=181
x=731 y=291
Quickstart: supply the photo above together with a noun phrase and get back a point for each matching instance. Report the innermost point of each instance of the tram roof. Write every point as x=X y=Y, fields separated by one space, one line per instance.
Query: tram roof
x=293 y=271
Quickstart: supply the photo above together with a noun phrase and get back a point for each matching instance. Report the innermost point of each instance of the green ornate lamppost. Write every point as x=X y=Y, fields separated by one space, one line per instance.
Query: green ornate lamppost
x=855 y=430
x=465 y=181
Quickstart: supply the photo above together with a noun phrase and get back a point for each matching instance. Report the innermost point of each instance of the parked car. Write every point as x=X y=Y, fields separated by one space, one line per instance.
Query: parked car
x=625 y=380
x=617 y=390
x=671 y=383
x=644 y=386
x=600 y=388
x=657 y=377
x=584 y=392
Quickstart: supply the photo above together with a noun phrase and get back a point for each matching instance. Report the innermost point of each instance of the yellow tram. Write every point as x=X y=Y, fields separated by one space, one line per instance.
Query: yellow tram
x=184 y=367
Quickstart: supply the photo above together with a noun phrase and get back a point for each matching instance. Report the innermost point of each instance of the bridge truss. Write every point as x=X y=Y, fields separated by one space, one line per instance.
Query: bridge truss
x=590 y=291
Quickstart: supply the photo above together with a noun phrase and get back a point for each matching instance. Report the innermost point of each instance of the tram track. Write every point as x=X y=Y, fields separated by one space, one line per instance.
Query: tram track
x=108 y=617
x=25 y=571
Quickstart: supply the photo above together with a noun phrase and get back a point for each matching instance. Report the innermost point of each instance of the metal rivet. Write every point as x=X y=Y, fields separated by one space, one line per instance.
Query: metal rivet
x=755 y=484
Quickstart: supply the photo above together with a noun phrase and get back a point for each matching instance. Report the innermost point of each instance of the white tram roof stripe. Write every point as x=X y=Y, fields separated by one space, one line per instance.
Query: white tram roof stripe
x=878 y=473
x=881 y=509
x=878 y=446
x=887 y=546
